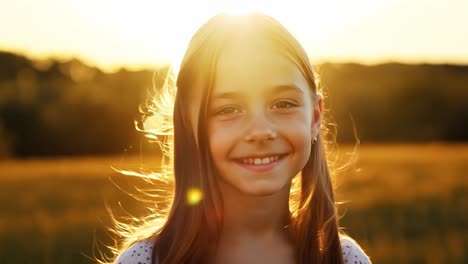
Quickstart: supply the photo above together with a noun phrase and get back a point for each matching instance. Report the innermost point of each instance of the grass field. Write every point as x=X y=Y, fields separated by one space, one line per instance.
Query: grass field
x=402 y=203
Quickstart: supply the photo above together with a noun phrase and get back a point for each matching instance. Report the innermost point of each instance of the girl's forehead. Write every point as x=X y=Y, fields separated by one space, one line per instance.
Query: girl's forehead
x=251 y=64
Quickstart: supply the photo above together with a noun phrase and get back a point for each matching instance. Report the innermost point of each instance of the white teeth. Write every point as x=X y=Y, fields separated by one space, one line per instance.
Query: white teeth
x=259 y=161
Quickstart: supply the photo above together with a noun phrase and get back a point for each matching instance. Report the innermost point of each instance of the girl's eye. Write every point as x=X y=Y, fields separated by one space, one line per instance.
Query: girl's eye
x=283 y=104
x=228 y=111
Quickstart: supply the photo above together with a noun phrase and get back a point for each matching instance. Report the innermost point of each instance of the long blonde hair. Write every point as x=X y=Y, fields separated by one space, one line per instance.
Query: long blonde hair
x=185 y=233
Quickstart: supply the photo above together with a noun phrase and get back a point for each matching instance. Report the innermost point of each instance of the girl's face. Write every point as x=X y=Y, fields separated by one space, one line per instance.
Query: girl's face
x=262 y=119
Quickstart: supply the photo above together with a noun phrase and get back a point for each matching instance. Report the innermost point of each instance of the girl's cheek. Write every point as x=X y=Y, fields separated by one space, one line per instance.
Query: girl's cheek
x=229 y=124
x=292 y=119
x=298 y=125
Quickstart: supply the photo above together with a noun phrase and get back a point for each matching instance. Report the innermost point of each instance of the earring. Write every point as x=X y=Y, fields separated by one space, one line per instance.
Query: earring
x=315 y=140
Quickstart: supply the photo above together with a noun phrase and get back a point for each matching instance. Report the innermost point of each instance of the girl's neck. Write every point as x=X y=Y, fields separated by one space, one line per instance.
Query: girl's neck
x=254 y=228
x=254 y=216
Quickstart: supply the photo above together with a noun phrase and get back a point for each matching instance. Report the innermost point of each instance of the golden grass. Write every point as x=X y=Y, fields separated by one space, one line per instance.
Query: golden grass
x=66 y=167
x=402 y=172
x=403 y=201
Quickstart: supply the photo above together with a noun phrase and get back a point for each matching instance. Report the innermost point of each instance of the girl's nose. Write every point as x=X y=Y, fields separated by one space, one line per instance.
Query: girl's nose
x=260 y=129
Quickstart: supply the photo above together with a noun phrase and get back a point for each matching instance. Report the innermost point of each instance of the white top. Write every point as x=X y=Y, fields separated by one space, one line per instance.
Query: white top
x=140 y=253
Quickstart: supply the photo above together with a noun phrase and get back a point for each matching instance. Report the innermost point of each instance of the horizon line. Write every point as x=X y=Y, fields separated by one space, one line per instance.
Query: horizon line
x=116 y=67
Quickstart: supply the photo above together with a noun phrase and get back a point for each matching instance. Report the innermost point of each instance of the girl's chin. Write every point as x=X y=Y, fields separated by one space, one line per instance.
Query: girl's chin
x=261 y=189
x=262 y=192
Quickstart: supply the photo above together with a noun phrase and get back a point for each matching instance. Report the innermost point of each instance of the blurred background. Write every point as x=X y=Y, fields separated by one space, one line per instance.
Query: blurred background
x=74 y=74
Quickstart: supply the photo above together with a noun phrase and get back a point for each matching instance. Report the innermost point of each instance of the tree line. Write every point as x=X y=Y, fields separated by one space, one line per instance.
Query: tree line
x=54 y=108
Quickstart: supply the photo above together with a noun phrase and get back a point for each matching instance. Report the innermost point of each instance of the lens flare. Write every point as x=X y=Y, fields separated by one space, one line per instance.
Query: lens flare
x=194 y=196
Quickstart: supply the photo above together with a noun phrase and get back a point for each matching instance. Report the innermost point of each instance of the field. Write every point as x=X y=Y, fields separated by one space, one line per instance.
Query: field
x=402 y=203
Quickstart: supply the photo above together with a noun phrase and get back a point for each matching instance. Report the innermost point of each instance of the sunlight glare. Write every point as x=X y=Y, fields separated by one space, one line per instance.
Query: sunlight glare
x=151 y=32
x=211 y=8
x=194 y=196
x=242 y=7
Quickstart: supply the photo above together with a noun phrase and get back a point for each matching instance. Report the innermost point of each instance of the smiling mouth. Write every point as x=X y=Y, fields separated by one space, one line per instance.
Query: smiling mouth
x=261 y=164
x=260 y=160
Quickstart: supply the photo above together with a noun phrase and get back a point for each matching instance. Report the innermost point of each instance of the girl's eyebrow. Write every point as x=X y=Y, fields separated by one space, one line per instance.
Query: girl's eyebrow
x=274 y=89
x=288 y=87
x=226 y=95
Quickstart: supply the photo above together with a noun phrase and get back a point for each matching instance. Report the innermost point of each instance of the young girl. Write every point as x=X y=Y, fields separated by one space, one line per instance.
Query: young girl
x=246 y=153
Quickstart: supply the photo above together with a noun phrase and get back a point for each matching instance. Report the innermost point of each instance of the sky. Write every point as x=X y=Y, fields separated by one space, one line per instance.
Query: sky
x=145 y=33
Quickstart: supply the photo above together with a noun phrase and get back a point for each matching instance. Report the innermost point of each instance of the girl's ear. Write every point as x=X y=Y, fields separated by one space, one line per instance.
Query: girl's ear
x=317 y=104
